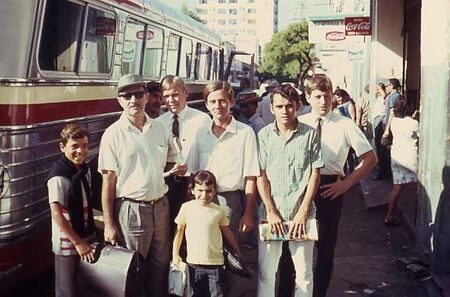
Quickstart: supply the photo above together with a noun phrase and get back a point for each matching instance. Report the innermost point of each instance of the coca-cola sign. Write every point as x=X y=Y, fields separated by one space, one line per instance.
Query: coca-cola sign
x=355 y=26
x=335 y=36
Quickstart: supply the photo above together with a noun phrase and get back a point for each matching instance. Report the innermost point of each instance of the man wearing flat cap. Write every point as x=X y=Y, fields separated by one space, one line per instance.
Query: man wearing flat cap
x=133 y=154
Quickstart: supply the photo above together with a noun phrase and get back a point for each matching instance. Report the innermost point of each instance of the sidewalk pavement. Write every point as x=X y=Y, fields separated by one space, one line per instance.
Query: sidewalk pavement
x=367 y=252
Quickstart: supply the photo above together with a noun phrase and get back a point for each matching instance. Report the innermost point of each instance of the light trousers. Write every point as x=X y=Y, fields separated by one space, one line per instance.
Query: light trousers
x=146 y=229
x=268 y=259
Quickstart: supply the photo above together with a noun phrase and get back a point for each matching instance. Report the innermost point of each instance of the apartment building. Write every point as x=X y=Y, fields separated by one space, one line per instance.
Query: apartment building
x=248 y=24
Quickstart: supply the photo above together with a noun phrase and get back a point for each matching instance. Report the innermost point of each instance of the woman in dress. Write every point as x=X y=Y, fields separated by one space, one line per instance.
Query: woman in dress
x=404 y=155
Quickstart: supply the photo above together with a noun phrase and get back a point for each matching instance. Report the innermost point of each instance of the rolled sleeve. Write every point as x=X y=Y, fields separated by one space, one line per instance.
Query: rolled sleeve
x=107 y=158
x=356 y=139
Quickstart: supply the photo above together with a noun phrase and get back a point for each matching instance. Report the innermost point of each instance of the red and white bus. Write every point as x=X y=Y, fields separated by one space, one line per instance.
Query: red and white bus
x=59 y=62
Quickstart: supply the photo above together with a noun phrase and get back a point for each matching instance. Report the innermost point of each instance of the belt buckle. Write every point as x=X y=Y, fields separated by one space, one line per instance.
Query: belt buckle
x=155 y=201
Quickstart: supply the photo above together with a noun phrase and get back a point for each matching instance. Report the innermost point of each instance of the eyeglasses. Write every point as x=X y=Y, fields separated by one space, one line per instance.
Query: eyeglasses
x=127 y=96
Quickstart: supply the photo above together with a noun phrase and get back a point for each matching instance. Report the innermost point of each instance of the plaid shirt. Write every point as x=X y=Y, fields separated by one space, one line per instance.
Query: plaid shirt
x=288 y=165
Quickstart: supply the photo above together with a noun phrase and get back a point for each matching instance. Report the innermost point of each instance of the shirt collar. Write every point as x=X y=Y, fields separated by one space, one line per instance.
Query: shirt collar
x=182 y=114
x=326 y=118
x=275 y=128
x=232 y=126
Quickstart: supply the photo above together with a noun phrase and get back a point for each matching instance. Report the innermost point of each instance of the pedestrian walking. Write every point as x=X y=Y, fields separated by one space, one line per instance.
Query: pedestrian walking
x=338 y=135
x=383 y=153
x=404 y=156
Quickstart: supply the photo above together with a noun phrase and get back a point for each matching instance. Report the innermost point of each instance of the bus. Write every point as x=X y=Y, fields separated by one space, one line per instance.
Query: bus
x=59 y=63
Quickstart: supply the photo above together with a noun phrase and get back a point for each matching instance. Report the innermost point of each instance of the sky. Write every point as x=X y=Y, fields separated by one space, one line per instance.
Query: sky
x=285 y=9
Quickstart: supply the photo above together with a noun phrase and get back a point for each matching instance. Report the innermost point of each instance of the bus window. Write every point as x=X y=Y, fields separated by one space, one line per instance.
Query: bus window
x=153 y=53
x=97 y=51
x=132 y=47
x=173 y=51
x=203 y=62
x=59 y=37
x=185 y=58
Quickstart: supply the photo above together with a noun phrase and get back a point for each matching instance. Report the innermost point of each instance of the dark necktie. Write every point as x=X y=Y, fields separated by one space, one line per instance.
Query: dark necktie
x=319 y=129
x=175 y=126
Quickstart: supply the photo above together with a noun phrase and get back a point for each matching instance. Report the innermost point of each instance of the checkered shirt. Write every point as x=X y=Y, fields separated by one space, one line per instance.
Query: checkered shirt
x=288 y=165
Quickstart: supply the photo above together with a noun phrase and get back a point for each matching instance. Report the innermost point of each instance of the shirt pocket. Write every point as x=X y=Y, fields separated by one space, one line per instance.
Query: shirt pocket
x=301 y=157
x=162 y=151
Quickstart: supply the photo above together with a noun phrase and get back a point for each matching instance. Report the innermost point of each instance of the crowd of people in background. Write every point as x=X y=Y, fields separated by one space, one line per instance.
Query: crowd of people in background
x=269 y=156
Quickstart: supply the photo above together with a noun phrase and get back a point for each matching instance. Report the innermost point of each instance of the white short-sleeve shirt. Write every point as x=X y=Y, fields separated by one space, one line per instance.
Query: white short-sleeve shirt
x=339 y=134
x=138 y=158
x=231 y=157
x=190 y=122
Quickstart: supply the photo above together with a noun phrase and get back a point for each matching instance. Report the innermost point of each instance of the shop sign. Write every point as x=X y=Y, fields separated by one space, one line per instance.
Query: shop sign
x=335 y=36
x=357 y=26
x=323 y=31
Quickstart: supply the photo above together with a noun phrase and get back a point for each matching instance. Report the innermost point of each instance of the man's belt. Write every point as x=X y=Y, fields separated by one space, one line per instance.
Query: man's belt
x=146 y=202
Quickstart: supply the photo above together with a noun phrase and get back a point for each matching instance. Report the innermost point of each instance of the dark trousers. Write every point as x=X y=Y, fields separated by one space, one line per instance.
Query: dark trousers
x=328 y=215
x=177 y=195
x=383 y=153
x=207 y=280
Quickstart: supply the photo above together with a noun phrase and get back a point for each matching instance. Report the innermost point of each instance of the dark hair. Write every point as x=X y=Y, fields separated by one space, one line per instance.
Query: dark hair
x=286 y=91
x=245 y=82
x=382 y=86
x=303 y=100
x=395 y=83
x=318 y=82
x=73 y=131
x=218 y=85
x=153 y=86
x=343 y=94
x=203 y=176
x=401 y=109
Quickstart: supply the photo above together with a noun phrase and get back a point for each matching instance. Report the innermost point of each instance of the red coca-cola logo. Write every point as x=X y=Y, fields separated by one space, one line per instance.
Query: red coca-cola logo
x=358 y=26
x=335 y=36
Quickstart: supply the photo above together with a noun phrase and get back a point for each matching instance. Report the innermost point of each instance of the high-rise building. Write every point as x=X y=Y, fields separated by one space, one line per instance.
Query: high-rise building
x=248 y=24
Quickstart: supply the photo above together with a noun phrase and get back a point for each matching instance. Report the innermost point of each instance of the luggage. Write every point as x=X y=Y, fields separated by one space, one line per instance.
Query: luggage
x=115 y=272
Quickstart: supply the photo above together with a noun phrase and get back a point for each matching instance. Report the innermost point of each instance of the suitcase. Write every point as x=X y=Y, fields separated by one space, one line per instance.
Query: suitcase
x=115 y=272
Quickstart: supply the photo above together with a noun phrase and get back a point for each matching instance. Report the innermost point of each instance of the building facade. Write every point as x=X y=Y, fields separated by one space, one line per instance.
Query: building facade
x=248 y=24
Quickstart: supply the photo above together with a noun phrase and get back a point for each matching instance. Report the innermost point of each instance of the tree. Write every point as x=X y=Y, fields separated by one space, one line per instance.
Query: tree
x=193 y=14
x=289 y=53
